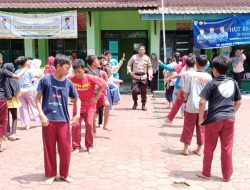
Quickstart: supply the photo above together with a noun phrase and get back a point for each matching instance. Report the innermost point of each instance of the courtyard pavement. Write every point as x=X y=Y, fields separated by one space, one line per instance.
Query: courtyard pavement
x=139 y=153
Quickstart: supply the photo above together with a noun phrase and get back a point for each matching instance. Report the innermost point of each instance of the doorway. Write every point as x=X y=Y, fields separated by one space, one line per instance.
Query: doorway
x=119 y=42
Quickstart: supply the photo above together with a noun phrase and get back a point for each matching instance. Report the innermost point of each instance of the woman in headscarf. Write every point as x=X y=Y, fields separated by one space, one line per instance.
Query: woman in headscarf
x=13 y=92
x=154 y=83
x=50 y=68
x=35 y=67
x=27 y=99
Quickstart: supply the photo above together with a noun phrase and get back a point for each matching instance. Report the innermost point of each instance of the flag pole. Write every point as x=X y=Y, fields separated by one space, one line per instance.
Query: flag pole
x=164 y=36
x=163 y=31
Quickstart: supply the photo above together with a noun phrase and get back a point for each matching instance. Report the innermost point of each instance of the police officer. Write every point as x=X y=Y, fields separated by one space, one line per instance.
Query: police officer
x=139 y=67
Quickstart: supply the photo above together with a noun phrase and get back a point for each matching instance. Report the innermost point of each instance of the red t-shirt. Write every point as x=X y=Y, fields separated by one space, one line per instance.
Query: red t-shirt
x=86 y=91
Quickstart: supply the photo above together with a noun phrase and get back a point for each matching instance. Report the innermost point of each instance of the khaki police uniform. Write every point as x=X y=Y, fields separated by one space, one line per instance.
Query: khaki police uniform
x=142 y=68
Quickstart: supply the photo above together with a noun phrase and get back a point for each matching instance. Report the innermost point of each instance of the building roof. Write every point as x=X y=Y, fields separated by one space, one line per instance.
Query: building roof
x=201 y=7
x=72 y=4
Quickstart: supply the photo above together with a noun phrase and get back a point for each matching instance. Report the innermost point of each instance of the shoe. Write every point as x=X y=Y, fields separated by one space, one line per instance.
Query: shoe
x=17 y=137
x=12 y=138
x=27 y=127
x=76 y=151
x=91 y=150
x=96 y=122
x=144 y=108
x=134 y=107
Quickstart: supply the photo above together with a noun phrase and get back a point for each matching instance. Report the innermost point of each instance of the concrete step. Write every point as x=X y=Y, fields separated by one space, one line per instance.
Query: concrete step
x=159 y=94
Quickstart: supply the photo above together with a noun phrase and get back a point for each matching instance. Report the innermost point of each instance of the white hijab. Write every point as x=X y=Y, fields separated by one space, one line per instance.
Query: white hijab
x=35 y=68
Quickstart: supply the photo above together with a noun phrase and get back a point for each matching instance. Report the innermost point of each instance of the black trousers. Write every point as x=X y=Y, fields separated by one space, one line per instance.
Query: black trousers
x=154 y=83
x=139 y=87
x=100 y=112
x=169 y=94
x=13 y=112
x=237 y=77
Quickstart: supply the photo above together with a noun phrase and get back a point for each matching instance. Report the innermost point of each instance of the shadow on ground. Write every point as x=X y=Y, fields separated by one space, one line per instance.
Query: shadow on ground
x=169 y=135
x=28 y=178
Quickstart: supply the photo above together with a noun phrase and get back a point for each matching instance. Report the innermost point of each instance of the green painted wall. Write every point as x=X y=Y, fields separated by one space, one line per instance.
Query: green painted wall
x=93 y=34
x=29 y=47
x=154 y=37
x=97 y=32
x=171 y=24
x=111 y=20
x=122 y=20
x=115 y=21
x=91 y=38
x=43 y=50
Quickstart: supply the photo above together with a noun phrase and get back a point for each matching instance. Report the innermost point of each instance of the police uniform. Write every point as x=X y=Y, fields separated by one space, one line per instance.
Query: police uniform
x=212 y=37
x=223 y=36
x=201 y=38
x=141 y=67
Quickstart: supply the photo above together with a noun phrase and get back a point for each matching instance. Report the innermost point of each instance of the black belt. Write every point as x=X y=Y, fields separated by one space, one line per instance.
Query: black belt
x=140 y=74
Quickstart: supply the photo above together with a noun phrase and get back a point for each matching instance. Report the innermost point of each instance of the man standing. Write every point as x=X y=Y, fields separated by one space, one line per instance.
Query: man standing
x=193 y=83
x=224 y=99
x=85 y=85
x=52 y=97
x=138 y=67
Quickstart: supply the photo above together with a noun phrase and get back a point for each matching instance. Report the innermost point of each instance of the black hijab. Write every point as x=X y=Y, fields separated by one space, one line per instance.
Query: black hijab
x=11 y=86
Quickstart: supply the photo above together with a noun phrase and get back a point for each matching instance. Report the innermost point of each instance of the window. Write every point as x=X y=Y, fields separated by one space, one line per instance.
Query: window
x=181 y=41
x=11 y=49
x=66 y=46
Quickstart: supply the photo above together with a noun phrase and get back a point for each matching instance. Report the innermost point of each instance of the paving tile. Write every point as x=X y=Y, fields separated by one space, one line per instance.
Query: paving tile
x=137 y=154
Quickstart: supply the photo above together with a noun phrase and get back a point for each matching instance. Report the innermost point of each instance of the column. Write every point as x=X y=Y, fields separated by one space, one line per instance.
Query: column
x=43 y=50
x=155 y=44
x=29 y=48
x=93 y=34
x=154 y=37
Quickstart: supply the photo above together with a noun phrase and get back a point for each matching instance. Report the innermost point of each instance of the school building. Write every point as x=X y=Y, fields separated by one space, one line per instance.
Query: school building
x=121 y=25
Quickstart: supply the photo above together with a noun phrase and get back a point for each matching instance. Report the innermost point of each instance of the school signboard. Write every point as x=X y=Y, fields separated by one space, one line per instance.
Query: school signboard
x=232 y=31
x=38 y=26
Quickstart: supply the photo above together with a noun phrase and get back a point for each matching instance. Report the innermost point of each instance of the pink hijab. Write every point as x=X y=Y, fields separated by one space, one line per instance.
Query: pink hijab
x=184 y=59
x=50 y=69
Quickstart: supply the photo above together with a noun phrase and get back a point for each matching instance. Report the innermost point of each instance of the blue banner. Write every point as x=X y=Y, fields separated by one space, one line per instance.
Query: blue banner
x=232 y=31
